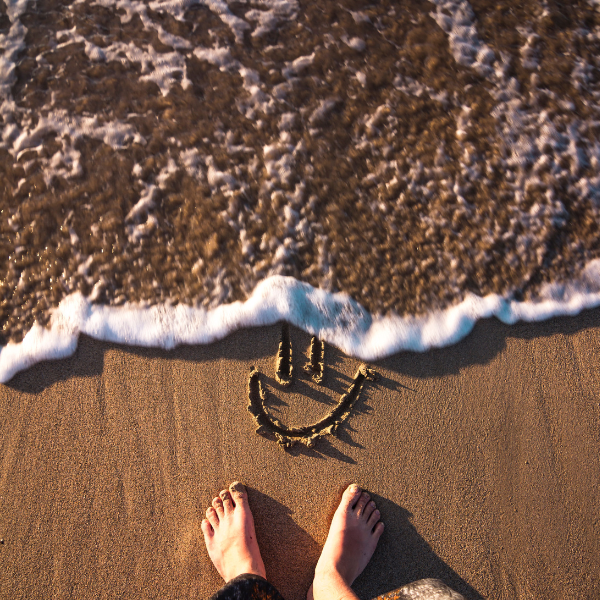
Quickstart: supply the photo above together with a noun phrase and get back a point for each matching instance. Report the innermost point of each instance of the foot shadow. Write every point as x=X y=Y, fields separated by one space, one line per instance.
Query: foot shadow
x=403 y=556
x=86 y=361
x=285 y=547
x=483 y=344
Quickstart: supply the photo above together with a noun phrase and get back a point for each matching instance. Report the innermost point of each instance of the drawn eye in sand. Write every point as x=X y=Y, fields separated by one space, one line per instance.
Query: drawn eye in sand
x=284 y=372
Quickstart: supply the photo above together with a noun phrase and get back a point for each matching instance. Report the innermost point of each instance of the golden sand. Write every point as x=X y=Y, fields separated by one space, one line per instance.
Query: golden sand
x=482 y=457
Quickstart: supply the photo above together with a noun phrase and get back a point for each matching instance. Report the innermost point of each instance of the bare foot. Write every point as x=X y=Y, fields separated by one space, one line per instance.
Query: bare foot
x=229 y=534
x=352 y=539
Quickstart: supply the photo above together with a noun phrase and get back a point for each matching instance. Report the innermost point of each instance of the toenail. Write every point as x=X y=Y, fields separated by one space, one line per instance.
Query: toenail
x=237 y=487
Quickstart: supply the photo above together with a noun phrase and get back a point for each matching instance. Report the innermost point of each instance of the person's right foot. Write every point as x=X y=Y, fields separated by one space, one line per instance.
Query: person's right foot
x=352 y=539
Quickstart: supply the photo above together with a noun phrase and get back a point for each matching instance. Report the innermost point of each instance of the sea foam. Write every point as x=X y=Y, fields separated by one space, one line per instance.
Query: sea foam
x=333 y=317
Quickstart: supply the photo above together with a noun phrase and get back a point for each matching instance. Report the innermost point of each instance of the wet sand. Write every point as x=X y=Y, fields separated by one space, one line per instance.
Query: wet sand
x=483 y=458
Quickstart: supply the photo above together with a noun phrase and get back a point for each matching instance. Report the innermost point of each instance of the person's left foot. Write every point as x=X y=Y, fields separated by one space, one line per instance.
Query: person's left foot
x=229 y=534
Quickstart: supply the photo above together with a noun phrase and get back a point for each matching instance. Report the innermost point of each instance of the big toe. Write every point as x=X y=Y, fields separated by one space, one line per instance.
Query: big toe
x=350 y=497
x=239 y=494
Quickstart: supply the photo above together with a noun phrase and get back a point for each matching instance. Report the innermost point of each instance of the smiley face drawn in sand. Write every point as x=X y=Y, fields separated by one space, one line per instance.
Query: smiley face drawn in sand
x=288 y=436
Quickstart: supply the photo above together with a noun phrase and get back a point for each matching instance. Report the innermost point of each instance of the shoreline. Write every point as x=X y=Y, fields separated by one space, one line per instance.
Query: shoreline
x=332 y=317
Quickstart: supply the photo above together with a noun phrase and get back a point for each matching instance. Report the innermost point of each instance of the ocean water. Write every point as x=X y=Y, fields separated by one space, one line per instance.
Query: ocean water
x=381 y=175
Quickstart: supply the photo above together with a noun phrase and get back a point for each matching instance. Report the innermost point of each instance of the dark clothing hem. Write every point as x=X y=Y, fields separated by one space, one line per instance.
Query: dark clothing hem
x=247 y=587
x=254 y=587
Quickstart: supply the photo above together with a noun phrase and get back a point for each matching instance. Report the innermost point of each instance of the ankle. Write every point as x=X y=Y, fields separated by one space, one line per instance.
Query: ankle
x=329 y=584
x=333 y=573
x=245 y=568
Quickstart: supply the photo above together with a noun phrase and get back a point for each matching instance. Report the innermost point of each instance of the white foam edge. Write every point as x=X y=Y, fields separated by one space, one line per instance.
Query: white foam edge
x=333 y=317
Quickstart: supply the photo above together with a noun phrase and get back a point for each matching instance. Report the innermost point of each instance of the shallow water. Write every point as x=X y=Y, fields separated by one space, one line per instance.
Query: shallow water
x=408 y=154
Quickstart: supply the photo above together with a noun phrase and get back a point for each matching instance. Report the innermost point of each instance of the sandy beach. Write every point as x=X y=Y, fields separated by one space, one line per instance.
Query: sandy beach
x=385 y=174
x=483 y=458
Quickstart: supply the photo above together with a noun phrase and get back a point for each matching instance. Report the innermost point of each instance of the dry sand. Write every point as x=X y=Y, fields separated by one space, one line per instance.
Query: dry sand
x=483 y=458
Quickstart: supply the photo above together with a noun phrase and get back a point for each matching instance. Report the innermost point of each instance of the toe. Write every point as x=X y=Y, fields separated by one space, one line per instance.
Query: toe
x=239 y=494
x=218 y=506
x=227 y=501
x=369 y=508
x=350 y=497
x=362 y=503
x=207 y=529
x=213 y=517
x=378 y=530
x=373 y=518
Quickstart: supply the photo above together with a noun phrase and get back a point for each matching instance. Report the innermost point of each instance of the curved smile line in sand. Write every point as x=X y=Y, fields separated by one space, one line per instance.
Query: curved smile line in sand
x=328 y=425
